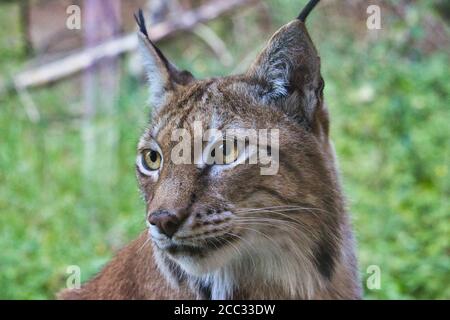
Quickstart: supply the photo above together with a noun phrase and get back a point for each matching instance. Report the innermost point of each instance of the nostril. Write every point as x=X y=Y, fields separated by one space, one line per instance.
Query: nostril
x=156 y=215
x=170 y=226
x=166 y=222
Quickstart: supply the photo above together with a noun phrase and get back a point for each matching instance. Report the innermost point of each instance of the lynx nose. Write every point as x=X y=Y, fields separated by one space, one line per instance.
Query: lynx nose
x=166 y=222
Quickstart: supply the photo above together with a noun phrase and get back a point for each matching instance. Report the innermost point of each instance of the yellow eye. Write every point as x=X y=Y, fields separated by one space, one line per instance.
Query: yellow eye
x=230 y=151
x=151 y=160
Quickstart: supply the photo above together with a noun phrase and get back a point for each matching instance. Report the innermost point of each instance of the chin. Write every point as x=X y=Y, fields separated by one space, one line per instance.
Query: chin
x=205 y=263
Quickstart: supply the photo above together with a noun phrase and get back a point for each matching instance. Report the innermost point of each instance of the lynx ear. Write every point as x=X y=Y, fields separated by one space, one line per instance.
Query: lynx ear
x=289 y=71
x=164 y=78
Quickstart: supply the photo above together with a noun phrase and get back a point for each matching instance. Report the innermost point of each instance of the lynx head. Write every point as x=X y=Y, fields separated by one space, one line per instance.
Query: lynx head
x=228 y=216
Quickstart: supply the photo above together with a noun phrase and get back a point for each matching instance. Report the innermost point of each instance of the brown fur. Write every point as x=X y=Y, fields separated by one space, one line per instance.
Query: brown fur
x=306 y=253
x=125 y=278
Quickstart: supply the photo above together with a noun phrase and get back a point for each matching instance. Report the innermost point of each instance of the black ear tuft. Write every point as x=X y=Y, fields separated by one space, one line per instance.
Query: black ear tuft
x=140 y=20
x=306 y=11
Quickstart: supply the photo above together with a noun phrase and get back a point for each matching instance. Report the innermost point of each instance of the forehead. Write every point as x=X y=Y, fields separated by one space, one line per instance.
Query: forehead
x=217 y=103
x=223 y=103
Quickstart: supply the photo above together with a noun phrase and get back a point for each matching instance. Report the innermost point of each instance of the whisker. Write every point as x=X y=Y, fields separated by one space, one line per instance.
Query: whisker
x=293 y=208
x=288 y=218
x=256 y=209
x=263 y=234
x=144 y=244
x=276 y=223
x=268 y=223
x=297 y=209
x=248 y=243
x=293 y=231
x=297 y=253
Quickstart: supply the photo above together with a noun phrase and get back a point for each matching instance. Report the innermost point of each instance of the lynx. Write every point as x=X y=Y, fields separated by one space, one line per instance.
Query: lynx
x=224 y=230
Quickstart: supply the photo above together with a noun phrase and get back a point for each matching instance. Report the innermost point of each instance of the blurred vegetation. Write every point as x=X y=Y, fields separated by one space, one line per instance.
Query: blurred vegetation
x=388 y=95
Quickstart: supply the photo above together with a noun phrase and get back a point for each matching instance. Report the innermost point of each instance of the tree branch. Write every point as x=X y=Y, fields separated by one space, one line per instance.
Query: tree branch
x=79 y=61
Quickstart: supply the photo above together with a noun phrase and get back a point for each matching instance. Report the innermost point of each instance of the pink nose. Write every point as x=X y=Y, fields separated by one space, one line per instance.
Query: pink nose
x=167 y=222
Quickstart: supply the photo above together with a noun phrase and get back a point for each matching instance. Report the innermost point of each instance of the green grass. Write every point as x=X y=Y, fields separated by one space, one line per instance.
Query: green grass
x=62 y=205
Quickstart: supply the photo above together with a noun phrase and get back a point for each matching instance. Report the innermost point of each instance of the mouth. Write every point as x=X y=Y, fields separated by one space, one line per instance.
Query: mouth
x=185 y=250
x=193 y=248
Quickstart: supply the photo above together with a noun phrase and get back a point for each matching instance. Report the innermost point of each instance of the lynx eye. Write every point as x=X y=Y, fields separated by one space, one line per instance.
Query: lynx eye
x=230 y=151
x=151 y=160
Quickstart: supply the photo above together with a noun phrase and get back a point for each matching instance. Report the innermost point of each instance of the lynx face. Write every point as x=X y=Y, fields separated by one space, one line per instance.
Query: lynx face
x=228 y=220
